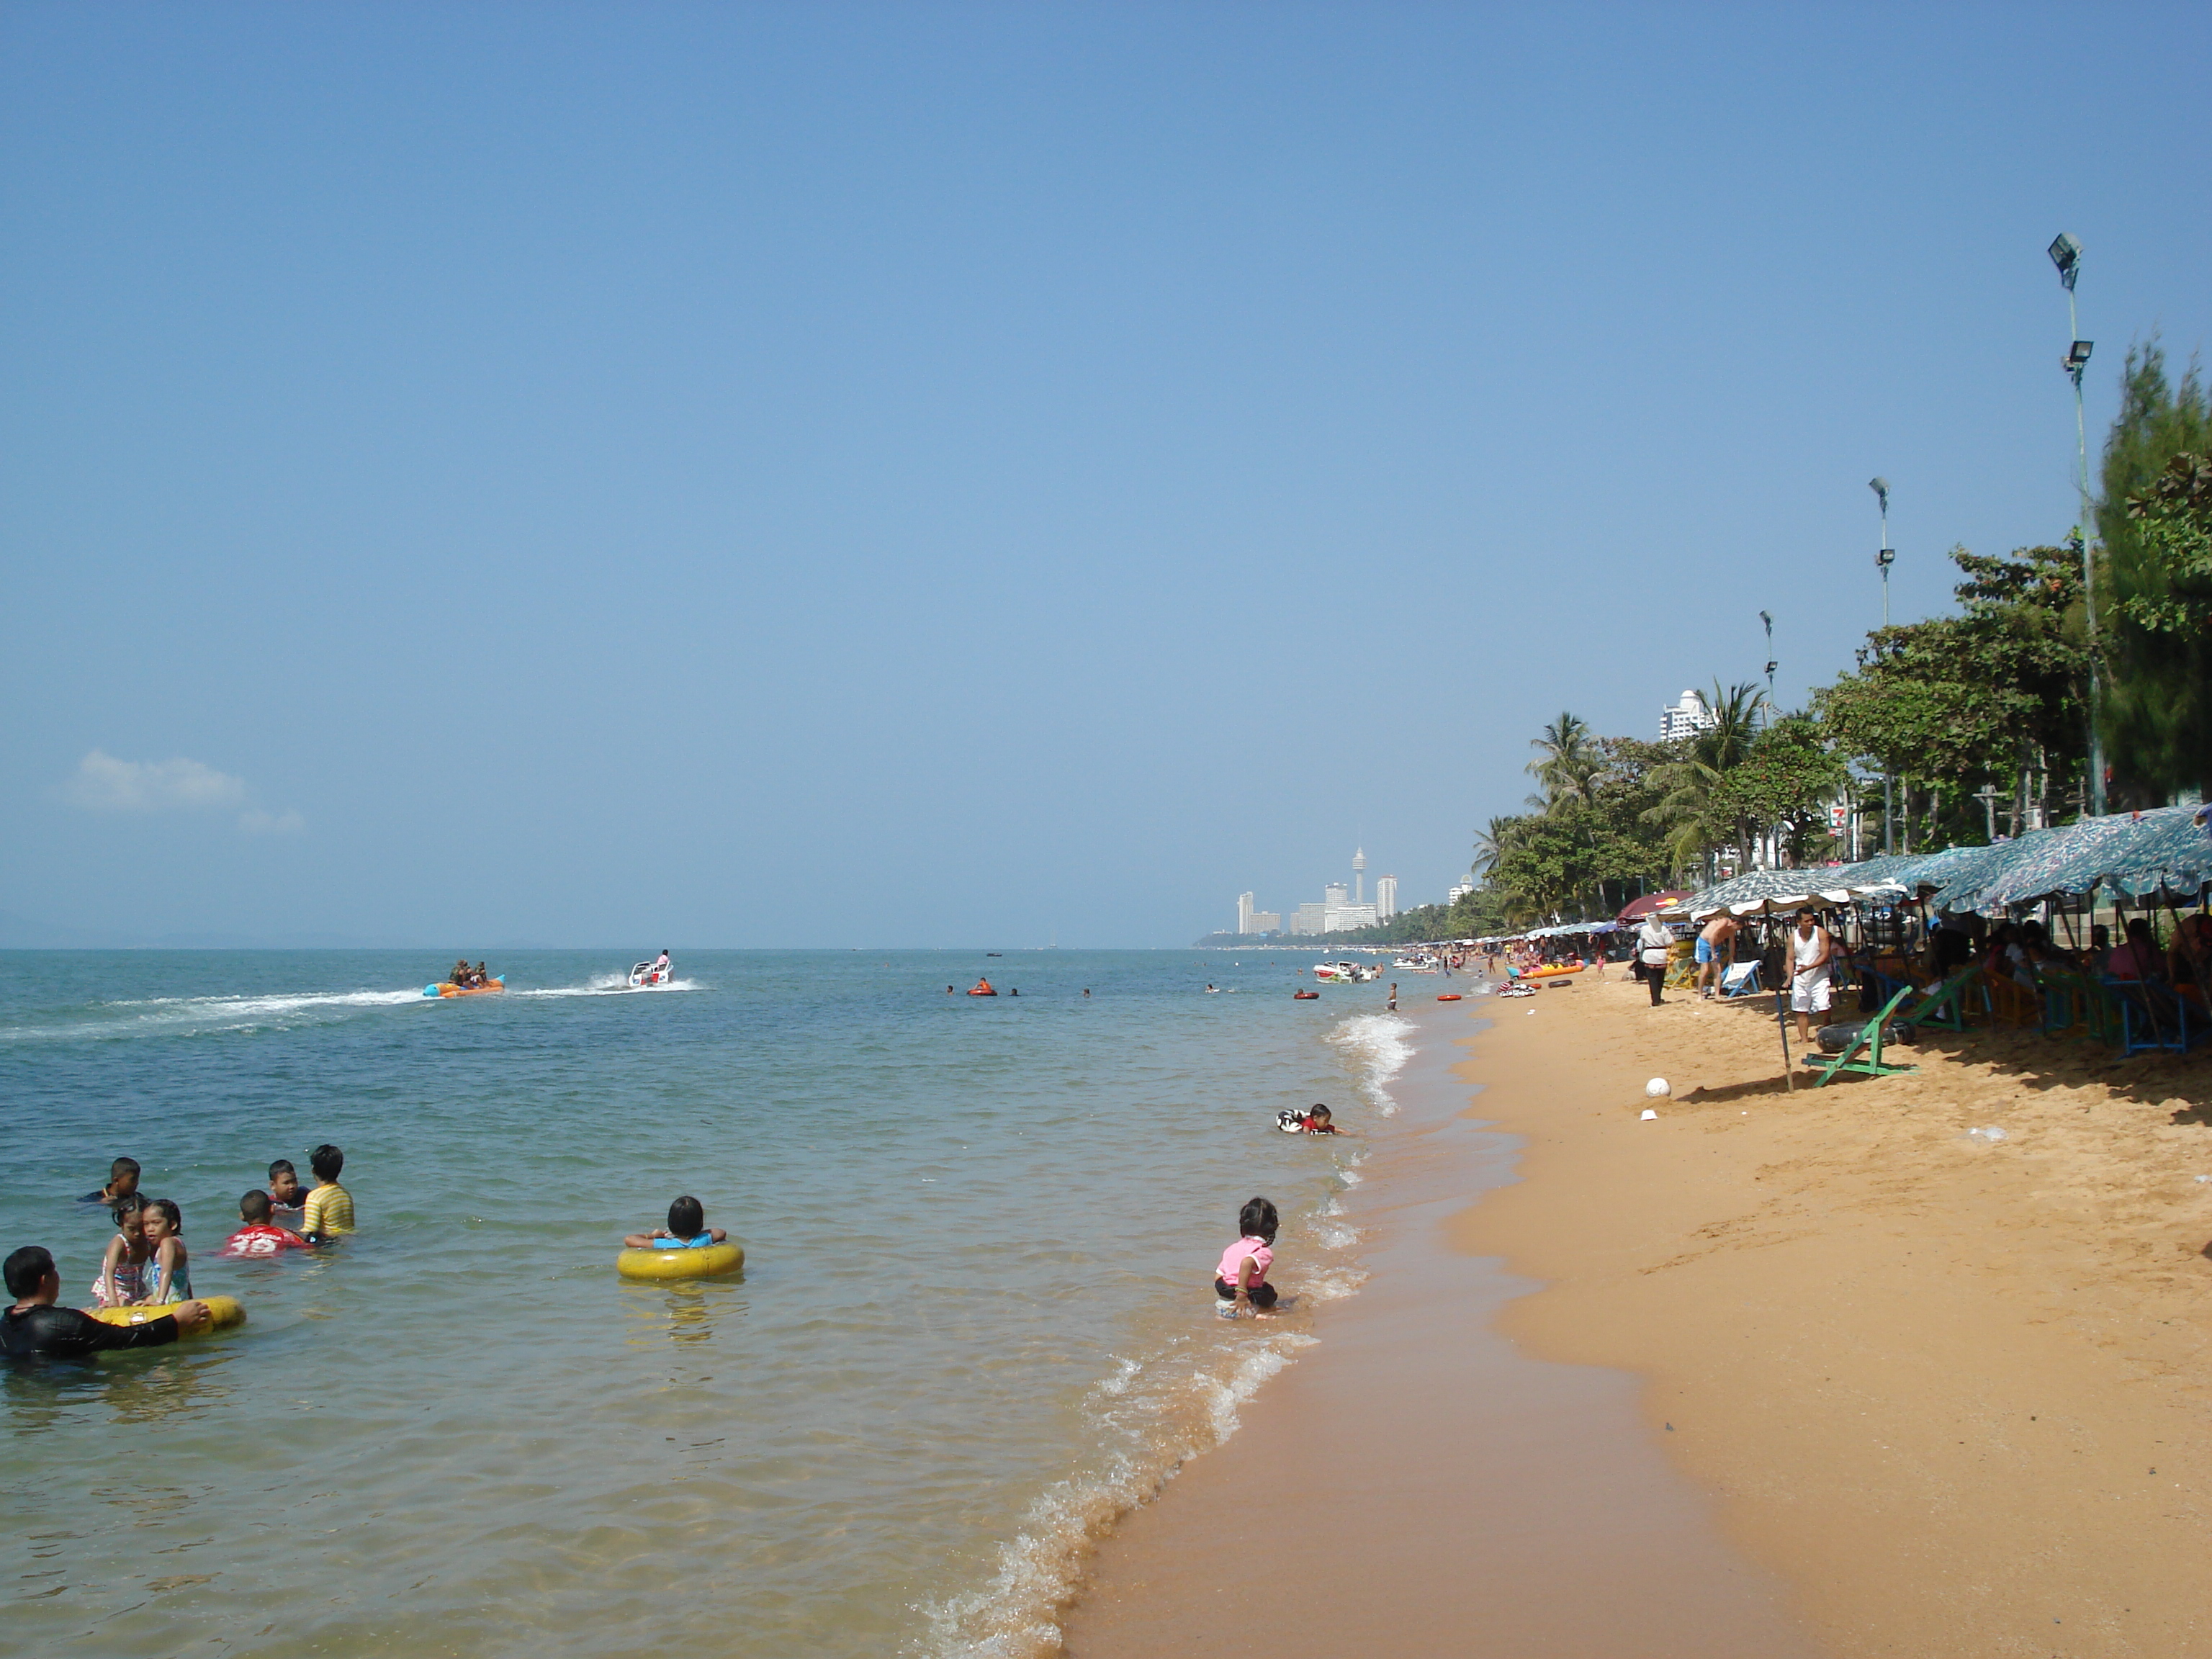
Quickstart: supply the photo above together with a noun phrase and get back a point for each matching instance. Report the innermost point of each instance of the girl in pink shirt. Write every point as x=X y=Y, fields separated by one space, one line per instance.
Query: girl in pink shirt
x=1242 y=1279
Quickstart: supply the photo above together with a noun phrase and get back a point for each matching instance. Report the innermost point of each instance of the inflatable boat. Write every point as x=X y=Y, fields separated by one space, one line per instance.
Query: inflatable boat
x=447 y=989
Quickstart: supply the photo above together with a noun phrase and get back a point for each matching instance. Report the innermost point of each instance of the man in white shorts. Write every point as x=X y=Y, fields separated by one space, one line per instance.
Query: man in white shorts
x=1812 y=955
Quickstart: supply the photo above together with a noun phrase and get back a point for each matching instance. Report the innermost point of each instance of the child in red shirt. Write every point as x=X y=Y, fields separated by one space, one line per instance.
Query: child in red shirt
x=259 y=1236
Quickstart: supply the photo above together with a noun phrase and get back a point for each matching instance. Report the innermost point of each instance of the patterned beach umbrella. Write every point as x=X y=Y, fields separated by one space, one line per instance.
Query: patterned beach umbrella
x=1780 y=892
x=2166 y=853
x=1968 y=878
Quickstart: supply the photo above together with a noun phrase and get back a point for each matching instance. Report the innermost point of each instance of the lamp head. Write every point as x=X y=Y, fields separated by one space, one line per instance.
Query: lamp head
x=1880 y=487
x=1885 y=558
x=2077 y=355
x=2066 y=254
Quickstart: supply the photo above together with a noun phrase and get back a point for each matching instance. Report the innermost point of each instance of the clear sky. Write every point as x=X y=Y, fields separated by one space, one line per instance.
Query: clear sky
x=718 y=475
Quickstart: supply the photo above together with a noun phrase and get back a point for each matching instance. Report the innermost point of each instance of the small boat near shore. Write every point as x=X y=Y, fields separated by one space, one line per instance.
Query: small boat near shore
x=1345 y=973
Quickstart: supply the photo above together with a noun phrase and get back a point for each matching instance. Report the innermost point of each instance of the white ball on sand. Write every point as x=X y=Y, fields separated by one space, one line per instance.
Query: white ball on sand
x=1658 y=1088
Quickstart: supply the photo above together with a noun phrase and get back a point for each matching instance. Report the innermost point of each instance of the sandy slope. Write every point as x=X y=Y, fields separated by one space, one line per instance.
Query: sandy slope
x=1956 y=1394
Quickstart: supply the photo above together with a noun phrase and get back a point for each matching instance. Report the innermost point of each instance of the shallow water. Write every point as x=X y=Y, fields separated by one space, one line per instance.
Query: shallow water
x=973 y=1324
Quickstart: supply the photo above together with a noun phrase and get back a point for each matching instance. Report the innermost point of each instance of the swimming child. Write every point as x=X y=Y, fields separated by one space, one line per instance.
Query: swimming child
x=1242 y=1279
x=260 y=1236
x=168 y=1263
x=122 y=1280
x=687 y=1229
x=285 y=1192
x=329 y=1209
x=1318 y=1122
x=122 y=1183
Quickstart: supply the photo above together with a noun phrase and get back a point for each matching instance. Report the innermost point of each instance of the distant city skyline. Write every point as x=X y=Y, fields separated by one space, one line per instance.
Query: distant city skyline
x=1341 y=908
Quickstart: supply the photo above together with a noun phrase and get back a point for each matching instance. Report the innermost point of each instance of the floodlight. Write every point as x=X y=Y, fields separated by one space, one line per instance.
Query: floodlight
x=2077 y=355
x=2066 y=254
x=1880 y=487
x=1886 y=557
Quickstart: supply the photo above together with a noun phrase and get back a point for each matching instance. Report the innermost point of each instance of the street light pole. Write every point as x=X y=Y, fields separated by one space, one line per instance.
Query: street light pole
x=2066 y=254
x=1884 y=559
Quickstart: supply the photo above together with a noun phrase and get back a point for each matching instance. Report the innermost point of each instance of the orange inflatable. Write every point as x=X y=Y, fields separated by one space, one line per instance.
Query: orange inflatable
x=982 y=988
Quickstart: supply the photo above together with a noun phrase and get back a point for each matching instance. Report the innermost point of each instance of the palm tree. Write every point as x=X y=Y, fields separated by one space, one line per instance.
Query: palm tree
x=1567 y=760
x=1490 y=844
x=1695 y=825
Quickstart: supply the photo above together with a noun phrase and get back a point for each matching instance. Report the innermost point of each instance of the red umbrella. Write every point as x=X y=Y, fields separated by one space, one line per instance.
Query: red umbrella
x=1636 y=909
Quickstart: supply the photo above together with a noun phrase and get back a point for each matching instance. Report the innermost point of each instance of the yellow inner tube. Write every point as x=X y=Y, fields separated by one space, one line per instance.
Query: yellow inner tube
x=702 y=1263
x=223 y=1312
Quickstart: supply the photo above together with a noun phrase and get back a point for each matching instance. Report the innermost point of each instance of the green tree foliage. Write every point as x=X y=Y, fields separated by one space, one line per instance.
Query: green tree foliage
x=1782 y=786
x=1993 y=693
x=2158 y=702
x=1567 y=760
x=1690 y=814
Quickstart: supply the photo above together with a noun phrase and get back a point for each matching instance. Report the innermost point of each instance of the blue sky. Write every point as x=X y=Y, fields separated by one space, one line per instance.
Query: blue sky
x=946 y=475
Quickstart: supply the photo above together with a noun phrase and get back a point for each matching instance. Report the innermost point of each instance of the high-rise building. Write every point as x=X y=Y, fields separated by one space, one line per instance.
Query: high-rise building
x=1685 y=719
x=1310 y=919
x=1249 y=921
x=1386 y=897
x=1336 y=893
x=1359 y=875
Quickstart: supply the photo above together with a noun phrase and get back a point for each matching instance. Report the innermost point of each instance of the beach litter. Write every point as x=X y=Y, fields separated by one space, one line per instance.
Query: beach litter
x=1647 y=1116
x=1987 y=1136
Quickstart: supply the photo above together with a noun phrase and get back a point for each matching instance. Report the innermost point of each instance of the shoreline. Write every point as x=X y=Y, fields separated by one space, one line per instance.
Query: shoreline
x=1416 y=1474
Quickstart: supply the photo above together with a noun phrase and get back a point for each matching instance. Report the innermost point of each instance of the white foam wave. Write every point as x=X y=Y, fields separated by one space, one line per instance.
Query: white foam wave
x=1375 y=1050
x=1144 y=1411
x=610 y=985
x=1334 y=1283
x=186 y=1016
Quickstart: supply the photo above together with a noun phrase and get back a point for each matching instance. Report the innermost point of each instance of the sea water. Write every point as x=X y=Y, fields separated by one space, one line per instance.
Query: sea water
x=974 y=1322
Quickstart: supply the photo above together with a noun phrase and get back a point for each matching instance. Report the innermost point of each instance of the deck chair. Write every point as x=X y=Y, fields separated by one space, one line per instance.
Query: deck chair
x=1740 y=980
x=1869 y=1040
x=2152 y=1019
x=1944 y=1008
x=2074 y=1004
x=2010 y=1003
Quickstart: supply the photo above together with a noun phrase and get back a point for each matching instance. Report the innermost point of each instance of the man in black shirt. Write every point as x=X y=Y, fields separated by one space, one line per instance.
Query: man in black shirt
x=35 y=1329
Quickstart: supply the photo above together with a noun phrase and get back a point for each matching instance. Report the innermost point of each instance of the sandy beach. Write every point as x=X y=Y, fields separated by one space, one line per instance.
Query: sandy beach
x=1888 y=1388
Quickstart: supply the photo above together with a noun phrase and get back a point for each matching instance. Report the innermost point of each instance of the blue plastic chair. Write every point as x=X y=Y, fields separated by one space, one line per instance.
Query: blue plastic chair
x=2146 y=1007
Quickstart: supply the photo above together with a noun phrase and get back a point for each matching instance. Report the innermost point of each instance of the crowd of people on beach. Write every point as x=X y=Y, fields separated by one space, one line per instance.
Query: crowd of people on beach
x=147 y=1264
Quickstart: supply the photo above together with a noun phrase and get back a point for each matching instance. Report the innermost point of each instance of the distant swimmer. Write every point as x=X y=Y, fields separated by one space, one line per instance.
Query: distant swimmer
x=982 y=988
x=1214 y=988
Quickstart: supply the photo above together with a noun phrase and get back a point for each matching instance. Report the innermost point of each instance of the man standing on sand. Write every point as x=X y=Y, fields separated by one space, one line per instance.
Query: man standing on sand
x=1717 y=935
x=1812 y=955
x=1655 y=946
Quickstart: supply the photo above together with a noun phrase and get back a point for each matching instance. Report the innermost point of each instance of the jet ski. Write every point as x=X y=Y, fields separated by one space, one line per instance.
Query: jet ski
x=643 y=975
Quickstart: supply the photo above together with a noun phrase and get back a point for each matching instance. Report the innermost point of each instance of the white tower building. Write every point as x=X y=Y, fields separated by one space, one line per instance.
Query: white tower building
x=1386 y=897
x=1359 y=875
x=1243 y=913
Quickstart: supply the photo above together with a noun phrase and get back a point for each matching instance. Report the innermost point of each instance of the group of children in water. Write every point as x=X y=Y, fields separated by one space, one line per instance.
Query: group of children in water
x=1240 y=1281
x=147 y=1264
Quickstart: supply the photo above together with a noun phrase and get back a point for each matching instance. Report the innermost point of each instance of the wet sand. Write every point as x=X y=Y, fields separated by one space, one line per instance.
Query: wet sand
x=1416 y=1485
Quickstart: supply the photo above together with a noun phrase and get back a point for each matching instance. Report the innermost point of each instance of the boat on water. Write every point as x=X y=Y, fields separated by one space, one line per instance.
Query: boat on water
x=644 y=975
x=490 y=987
x=1419 y=963
x=1346 y=972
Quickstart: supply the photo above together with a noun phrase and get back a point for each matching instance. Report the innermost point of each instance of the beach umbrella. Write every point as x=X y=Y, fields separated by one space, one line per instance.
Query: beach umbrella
x=2166 y=853
x=1966 y=880
x=1636 y=909
x=1780 y=892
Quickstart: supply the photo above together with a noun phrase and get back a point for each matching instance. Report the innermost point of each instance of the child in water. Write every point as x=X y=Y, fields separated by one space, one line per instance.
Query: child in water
x=1242 y=1279
x=1318 y=1122
x=168 y=1264
x=329 y=1209
x=122 y=1183
x=260 y=1236
x=122 y=1280
x=687 y=1229
x=284 y=1190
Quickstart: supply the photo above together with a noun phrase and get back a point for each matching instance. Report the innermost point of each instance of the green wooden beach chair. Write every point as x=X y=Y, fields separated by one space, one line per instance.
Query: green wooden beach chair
x=1869 y=1040
x=1944 y=1010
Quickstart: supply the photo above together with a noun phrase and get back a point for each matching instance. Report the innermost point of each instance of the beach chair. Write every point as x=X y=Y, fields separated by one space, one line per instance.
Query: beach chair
x=2152 y=1019
x=2074 y=1004
x=2010 y=1003
x=1944 y=1010
x=1869 y=1039
x=1740 y=979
